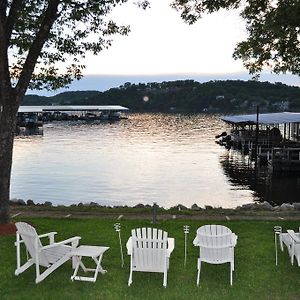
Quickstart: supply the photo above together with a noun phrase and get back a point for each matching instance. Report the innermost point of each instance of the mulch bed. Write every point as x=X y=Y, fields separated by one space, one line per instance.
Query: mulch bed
x=7 y=229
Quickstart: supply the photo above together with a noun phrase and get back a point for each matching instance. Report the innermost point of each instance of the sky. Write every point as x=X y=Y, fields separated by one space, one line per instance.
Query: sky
x=162 y=47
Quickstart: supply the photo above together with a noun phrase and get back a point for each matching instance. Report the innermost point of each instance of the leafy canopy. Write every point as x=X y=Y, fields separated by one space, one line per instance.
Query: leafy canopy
x=273 y=31
x=80 y=26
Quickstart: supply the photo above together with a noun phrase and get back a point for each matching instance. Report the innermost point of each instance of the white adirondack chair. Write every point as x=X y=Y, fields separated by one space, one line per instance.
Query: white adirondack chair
x=150 y=250
x=292 y=241
x=216 y=243
x=51 y=256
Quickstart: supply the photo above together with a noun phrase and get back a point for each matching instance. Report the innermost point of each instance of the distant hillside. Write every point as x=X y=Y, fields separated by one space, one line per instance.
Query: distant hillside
x=185 y=95
x=79 y=97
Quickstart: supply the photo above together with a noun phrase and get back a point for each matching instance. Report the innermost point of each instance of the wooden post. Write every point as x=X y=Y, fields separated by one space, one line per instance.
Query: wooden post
x=256 y=132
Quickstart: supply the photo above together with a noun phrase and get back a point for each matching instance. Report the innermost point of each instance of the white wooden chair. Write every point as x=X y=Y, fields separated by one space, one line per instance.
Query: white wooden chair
x=150 y=250
x=291 y=240
x=216 y=244
x=51 y=256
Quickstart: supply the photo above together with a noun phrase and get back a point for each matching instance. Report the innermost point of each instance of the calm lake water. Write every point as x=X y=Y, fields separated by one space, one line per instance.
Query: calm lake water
x=163 y=158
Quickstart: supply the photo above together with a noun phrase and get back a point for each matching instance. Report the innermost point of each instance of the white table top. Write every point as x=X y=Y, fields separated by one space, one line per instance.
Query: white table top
x=91 y=251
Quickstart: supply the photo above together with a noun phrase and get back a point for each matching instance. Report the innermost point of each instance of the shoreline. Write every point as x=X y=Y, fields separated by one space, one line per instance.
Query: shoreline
x=251 y=211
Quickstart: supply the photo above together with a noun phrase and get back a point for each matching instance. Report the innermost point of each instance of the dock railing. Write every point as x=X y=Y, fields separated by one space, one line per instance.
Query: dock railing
x=290 y=154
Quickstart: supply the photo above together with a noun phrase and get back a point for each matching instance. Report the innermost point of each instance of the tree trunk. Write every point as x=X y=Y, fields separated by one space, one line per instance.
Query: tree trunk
x=8 y=113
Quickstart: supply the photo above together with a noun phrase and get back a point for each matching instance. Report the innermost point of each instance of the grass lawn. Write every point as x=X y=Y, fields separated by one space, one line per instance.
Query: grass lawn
x=255 y=275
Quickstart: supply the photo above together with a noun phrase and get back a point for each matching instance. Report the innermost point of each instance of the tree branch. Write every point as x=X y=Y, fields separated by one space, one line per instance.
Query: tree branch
x=50 y=16
x=16 y=7
x=4 y=65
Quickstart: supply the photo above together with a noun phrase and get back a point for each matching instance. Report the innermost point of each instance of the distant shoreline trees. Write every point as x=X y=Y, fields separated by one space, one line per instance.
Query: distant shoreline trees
x=232 y=96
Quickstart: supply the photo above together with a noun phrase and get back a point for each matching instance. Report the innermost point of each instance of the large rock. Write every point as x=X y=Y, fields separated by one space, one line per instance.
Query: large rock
x=140 y=205
x=256 y=206
x=286 y=206
x=296 y=206
x=264 y=206
x=247 y=206
x=195 y=207
x=30 y=202
x=208 y=207
x=181 y=207
x=16 y=201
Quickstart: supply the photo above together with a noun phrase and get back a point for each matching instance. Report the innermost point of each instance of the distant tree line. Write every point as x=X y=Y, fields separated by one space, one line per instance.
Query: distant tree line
x=185 y=96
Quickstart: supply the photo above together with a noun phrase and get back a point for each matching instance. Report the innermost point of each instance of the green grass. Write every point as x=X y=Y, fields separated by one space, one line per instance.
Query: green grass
x=255 y=276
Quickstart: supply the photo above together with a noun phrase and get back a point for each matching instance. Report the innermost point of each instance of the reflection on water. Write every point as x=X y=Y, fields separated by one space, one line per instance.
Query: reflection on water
x=163 y=158
x=274 y=188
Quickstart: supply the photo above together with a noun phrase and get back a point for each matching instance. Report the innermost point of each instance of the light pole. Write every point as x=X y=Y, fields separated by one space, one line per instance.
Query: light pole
x=117 y=227
x=186 y=230
x=277 y=232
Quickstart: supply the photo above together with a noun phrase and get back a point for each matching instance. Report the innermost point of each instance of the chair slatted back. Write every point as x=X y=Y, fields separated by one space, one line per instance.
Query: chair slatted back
x=29 y=236
x=215 y=243
x=149 y=249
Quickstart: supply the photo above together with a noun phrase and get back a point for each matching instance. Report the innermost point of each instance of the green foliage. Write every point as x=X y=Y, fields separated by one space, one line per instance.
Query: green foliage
x=76 y=27
x=186 y=96
x=273 y=31
x=255 y=275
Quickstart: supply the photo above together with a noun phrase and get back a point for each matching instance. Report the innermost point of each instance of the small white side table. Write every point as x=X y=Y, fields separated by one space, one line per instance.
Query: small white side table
x=94 y=252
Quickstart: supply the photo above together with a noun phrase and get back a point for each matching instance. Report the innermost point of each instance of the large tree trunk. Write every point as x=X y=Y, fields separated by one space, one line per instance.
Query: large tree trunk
x=10 y=98
x=8 y=113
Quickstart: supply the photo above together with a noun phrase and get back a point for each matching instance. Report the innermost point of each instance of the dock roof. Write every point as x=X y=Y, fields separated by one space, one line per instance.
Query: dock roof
x=40 y=109
x=267 y=119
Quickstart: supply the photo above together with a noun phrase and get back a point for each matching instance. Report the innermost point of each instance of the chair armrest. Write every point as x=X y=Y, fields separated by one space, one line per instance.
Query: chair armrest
x=196 y=241
x=171 y=246
x=234 y=239
x=293 y=236
x=68 y=241
x=47 y=234
x=129 y=246
x=50 y=235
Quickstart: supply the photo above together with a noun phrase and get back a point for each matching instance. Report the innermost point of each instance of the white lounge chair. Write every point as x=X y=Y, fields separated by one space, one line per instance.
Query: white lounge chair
x=150 y=250
x=216 y=243
x=292 y=241
x=51 y=256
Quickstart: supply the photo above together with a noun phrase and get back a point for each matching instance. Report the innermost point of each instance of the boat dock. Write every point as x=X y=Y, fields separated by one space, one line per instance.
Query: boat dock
x=272 y=139
x=30 y=119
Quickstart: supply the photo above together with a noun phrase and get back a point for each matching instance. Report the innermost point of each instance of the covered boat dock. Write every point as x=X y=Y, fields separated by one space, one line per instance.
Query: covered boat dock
x=33 y=117
x=289 y=120
x=102 y=110
x=274 y=138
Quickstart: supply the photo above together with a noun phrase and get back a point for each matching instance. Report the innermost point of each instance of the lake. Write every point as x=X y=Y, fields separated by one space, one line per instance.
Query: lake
x=163 y=158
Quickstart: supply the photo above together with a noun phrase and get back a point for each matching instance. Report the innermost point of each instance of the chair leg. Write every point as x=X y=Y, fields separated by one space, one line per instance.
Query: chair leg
x=130 y=278
x=199 y=270
x=24 y=267
x=74 y=258
x=280 y=243
x=165 y=279
x=76 y=267
x=231 y=270
x=41 y=276
x=130 y=274
x=298 y=260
